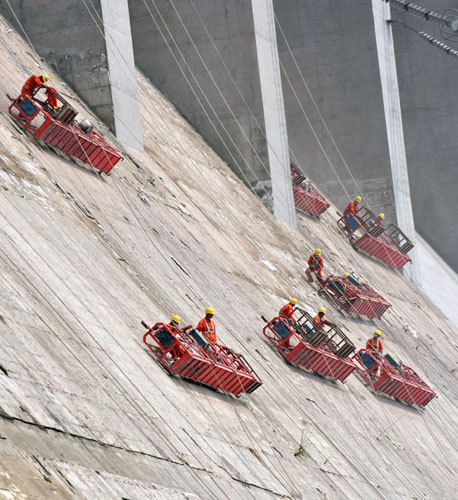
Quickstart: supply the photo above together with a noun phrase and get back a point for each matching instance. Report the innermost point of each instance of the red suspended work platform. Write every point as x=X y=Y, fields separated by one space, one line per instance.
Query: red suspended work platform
x=385 y=375
x=353 y=296
x=307 y=197
x=310 y=347
x=190 y=356
x=59 y=130
x=367 y=234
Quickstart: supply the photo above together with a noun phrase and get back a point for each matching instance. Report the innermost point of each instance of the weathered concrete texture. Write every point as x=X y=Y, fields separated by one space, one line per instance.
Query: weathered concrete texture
x=429 y=99
x=87 y=413
x=88 y=43
x=334 y=46
x=179 y=46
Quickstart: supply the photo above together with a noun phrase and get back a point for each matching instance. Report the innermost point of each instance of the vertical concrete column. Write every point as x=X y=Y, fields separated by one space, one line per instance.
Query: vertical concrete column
x=395 y=134
x=122 y=73
x=274 y=111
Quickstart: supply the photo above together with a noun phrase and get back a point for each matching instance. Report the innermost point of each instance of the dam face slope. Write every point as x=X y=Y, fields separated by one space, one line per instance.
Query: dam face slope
x=86 y=412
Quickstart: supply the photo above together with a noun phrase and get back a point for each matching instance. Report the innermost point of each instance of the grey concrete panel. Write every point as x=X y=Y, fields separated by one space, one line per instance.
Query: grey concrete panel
x=70 y=35
x=334 y=45
x=429 y=98
x=230 y=25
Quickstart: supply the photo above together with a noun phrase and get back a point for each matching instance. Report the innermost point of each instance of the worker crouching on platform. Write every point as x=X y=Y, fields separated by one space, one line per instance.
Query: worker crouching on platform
x=33 y=83
x=206 y=326
x=315 y=263
x=374 y=344
x=319 y=320
x=286 y=312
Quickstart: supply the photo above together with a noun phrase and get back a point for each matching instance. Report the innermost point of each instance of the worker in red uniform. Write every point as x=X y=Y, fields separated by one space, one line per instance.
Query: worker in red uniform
x=374 y=343
x=52 y=99
x=206 y=326
x=315 y=264
x=178 y=351
x=33 y=83
x=286 y=311
x=352 y=208
x=319 y=321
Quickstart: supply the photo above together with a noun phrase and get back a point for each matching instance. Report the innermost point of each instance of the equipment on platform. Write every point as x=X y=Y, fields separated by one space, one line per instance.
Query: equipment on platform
x=190 y=356
x=353 y=296
x=307 y=197
x=324 y=351
x=367 y=233
x=386 y=375
x=59 y=130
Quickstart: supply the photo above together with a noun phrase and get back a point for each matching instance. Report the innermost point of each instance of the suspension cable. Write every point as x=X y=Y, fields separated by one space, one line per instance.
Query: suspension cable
x=428 y=38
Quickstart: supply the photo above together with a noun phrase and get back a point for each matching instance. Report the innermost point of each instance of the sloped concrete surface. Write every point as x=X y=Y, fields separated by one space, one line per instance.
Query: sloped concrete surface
x=86 y=412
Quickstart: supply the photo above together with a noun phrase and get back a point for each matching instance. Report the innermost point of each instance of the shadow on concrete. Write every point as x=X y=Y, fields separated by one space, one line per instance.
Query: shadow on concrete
x=197 y=387
x=306 y=374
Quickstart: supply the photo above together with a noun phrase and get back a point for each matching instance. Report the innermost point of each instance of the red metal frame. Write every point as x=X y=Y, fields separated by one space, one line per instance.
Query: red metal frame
x=356 y=298
x=208 y=363
x=311 y=348
x=398 y=382
x=307 y=197
x=69 y=138
x=368 y=236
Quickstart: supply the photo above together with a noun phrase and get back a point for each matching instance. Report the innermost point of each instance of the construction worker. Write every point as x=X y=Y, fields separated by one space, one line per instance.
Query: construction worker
x=352 y=208
x=319 y=321
x=52 y=99
x=178 y=351
x=206 y=326
x=315 y=263
x=375 y=344
x=345 y=276
x=33 y=83
x=286 y=311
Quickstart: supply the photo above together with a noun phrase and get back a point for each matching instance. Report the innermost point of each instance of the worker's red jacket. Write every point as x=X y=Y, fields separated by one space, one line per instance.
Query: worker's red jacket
x=374 y=344
x=315 y=262
x=31 y=84
x=287 y=312
x=321 y=321
x=207 y=328
x=352 y=208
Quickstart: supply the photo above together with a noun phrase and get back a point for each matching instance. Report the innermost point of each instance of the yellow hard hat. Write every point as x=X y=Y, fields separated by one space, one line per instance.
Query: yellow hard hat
x=293 y=301
x=378 y=332
x=45 y=77
x=322 y=310
x=358 y=199
x=209 y=310
x=346 y=275
x=318 y=251
x=176 y=319
x=382 y=216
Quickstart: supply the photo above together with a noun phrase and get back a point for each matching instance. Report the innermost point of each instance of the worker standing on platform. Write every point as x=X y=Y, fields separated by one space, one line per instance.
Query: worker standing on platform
x=315 y=263
x=33 y=83
x=178 y=351
x=352 y=208
x=286 y=312
x=319 y=321
x=374 y=343
x=206 y=326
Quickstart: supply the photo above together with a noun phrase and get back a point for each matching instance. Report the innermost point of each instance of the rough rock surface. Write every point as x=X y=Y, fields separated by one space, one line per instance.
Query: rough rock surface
x=86 y=412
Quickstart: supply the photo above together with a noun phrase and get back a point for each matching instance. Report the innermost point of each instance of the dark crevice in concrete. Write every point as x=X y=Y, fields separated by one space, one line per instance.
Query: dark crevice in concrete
x=96 y=441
